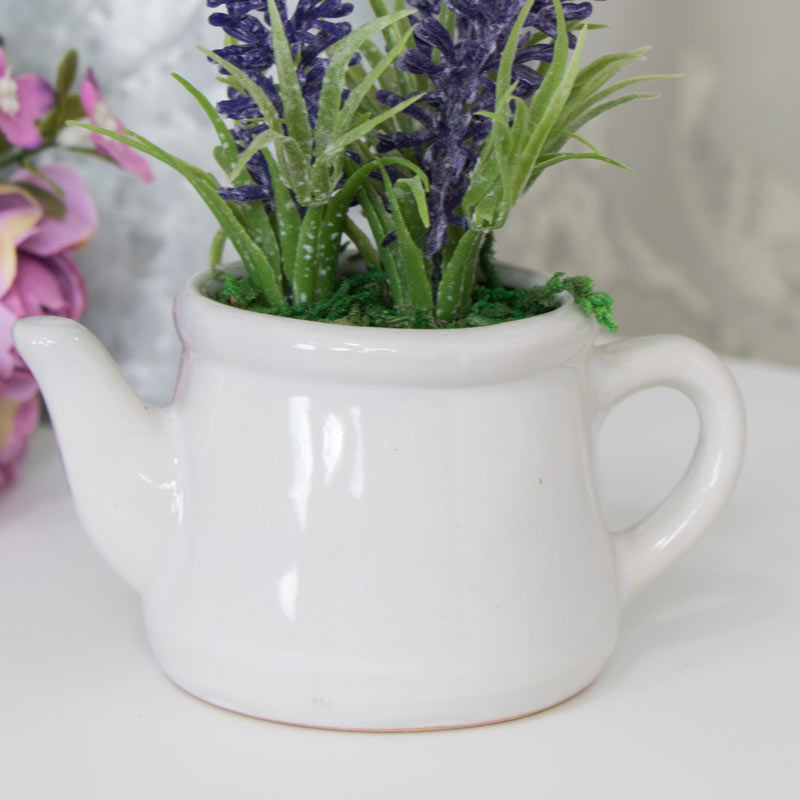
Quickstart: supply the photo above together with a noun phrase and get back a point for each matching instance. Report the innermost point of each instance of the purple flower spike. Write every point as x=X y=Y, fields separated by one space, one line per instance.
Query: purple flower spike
x=310 y=32
x=461 y=70
x=426 y=8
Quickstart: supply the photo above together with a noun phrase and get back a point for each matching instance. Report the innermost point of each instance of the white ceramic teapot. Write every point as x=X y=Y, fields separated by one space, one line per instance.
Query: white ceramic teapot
x=377 y=529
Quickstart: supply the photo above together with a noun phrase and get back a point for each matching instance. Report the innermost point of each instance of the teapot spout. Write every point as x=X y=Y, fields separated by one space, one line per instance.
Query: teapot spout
x=115 y=447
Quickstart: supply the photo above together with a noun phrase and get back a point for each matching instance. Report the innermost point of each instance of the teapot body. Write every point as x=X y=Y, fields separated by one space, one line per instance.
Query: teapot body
x=384 y=555
x=377 y=529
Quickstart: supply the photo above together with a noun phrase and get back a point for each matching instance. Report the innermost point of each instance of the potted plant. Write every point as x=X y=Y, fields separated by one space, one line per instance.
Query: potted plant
x=372 y=504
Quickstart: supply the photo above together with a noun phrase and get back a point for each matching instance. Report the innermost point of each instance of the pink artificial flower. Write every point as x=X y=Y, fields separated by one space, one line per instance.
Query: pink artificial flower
x=23 y=100
x=100 y=114
x=78 y=225
x=18 y=421
x=45 y=280
x=52 y=285
x=19 y=215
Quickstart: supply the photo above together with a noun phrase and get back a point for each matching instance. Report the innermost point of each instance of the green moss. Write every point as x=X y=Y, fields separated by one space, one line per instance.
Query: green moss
x=364 y=300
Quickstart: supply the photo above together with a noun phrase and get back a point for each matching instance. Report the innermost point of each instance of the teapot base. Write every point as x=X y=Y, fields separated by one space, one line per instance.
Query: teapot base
x=423 y=724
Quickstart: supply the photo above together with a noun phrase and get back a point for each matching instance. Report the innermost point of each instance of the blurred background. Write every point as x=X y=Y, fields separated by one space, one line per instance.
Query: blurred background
x=703 y=240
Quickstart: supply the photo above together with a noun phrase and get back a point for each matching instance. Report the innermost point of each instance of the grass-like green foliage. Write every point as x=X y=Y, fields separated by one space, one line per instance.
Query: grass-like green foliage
x=291 y=254
x=365 y=300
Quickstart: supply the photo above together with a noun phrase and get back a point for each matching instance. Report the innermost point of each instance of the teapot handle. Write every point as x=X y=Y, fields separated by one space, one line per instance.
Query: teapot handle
x=624 y=367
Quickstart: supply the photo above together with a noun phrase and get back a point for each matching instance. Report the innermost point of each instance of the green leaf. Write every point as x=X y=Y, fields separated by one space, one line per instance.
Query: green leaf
x=66 y=73
x=359 y=92
x=410 y=253
x=308 y=265
x=294 y=163
x=259 y=143
x=601 y=109
x=573 y=25
x=372 y=53
x=500 y=183
x=411 y=212
x=578 y=106
x=72 y=108
x=295 y=111
x=363 y=128
x=380 y=8
x=599 y=72
x=448 y=19
x=263 y=269
x=390 y=37
x=505 y=71
x=417 y=189
x=217 y=247
x=49 y=125
x=616 y=87
x=229 y=152
x=393 y=80
x=380 y=223
x=332 y=118
x=548 y=102
x=247 y=86
x=392 y=32
x=369 y=255
x=287 y=216
x=503 y=173
x=458 y=277
x=29 y=164
x=570 y=135
x=493 y=164
x=297 y=173
x=561 y=157
x=52 y=205
x=340 y=203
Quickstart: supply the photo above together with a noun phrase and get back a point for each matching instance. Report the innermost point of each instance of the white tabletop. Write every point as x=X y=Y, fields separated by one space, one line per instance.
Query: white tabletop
x=700 y=700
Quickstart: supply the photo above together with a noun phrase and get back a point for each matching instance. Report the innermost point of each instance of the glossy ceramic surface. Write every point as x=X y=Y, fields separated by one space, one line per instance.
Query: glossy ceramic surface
x=377 y=529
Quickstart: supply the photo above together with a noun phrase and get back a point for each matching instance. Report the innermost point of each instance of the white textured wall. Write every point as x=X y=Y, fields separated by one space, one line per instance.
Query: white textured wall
x=151 y=237
x=704 y=239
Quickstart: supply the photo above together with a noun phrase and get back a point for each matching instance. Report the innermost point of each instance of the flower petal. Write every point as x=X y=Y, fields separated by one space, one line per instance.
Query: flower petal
x=20 y=385
x=36 y=98
x=43 y=286
x=7 y=352
x=121 y=154
x=90 y=92
x=50 y=286
x=76 y=228
x=124 y=157
x=19 y=213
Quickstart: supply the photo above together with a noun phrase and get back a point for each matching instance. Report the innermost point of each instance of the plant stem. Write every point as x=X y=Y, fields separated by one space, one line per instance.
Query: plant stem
x=487 y=262
x=458 y=275
x=363 y=244
x=306 y=269
x=20 y=155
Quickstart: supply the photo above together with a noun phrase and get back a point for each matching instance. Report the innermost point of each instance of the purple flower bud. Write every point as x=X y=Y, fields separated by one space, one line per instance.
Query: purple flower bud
x=246 y=194
x=462 y=73
x=426 y=8
x=310 y=33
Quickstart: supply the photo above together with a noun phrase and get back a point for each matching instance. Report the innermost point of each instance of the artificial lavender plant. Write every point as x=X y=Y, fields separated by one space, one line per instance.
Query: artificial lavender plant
x=434 y=134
